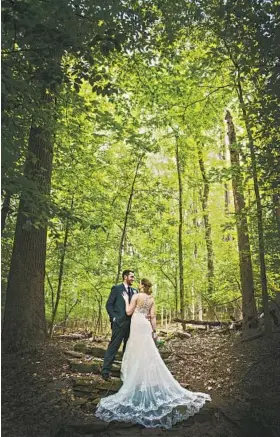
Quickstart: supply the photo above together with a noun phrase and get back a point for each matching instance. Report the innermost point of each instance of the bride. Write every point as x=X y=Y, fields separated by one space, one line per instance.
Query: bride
x=149 y=396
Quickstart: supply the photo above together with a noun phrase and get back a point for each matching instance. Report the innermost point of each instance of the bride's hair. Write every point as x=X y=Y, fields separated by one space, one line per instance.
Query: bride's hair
x=147 y=286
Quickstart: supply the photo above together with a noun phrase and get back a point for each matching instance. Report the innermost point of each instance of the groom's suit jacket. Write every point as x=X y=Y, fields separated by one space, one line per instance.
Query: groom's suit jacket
x=115 y=305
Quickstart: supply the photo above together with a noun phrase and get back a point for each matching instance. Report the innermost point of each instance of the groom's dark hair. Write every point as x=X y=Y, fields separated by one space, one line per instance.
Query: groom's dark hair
x=126 y=273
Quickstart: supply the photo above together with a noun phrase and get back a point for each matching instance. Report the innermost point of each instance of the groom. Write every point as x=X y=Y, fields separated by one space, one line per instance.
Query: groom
x=120 y=321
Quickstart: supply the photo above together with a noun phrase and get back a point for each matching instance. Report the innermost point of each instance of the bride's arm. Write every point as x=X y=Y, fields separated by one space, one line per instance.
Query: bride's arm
x=153 y=317
x=130 y=307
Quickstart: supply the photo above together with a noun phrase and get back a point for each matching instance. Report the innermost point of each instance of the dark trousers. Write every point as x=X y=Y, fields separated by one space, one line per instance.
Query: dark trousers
x=119 y=334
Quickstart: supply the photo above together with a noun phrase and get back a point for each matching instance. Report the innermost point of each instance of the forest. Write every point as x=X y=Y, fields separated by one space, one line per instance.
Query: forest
x=141 y=135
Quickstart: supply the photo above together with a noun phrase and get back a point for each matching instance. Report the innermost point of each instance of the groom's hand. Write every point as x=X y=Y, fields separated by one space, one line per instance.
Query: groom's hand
x=110 y=305
x=148 y=317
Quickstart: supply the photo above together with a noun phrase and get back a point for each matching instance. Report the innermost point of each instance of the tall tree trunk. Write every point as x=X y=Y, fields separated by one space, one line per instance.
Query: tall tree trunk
x=176 y=291
x=173 y=281
x=24 y=317
x=5 y=209
x=245 y=263
x=61 y=269
x=180 y=233
x=226 y=199
x=128 y=209
x=207 y=224
x=197 y=294
x=223 y=157
x=276 y=205
x=267 y=319
x=68 y=312
x=52 y=290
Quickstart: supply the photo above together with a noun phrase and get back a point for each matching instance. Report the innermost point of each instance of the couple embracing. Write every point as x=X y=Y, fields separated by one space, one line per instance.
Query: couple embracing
x=149 y=396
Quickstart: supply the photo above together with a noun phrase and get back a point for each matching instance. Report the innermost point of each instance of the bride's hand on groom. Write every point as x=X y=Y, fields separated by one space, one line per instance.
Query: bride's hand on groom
x=125 y=296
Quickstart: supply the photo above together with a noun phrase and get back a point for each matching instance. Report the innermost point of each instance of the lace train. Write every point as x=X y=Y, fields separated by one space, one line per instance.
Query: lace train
x=149 y=395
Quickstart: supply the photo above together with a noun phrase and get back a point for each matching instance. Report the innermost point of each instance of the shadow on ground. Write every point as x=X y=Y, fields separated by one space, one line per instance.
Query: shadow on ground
x=40 y=396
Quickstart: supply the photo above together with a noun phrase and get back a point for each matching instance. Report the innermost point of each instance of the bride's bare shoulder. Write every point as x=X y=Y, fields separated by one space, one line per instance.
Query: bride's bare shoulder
x=142 y=296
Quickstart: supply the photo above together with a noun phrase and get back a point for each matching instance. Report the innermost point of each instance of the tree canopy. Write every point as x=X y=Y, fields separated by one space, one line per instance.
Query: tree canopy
x=118 y=153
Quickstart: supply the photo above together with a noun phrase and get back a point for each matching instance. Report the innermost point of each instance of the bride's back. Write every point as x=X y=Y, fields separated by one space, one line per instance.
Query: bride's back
x=144 y=303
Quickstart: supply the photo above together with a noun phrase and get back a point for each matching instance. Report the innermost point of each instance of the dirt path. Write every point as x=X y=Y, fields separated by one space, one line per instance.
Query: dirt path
x=52 y=392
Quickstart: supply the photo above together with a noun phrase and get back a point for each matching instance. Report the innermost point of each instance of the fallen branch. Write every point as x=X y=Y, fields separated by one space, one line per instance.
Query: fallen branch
x=181 y=335
x=163 y=333
x=74 y=336
x=225 y=330
x=98 y=339
x=74 y=354
x=235 y=324
x=200 y=322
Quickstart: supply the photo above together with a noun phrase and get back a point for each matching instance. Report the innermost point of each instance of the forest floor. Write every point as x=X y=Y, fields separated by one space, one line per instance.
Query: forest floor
x=49 y=391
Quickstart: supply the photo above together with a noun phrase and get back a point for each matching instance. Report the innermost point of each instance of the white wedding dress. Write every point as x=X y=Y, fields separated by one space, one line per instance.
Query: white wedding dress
x=149 y=395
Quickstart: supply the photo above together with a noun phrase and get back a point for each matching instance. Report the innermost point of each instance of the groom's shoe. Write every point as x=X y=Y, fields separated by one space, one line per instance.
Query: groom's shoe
x=106 y=376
